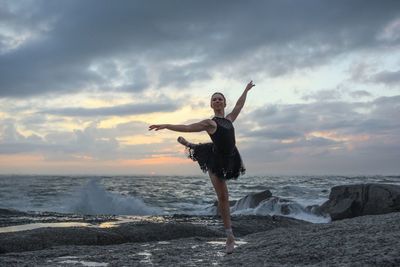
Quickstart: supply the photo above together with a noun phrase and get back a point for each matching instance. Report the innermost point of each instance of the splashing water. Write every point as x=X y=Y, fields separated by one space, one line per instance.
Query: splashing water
x=94 y=199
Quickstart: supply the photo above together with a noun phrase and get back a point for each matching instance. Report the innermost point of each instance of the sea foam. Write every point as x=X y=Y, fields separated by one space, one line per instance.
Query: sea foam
x=271 y=206
x=92 y=198
x=282 y=207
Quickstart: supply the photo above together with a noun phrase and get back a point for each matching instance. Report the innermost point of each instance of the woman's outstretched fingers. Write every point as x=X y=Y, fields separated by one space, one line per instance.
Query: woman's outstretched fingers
x=250 y=85
x=156 y=127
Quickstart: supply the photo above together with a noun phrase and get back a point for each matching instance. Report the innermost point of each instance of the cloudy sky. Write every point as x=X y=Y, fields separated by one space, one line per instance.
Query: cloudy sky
x=81 y=81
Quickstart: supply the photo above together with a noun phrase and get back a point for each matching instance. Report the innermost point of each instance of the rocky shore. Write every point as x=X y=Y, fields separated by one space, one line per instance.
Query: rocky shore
x=181 y=240
x=372 y=240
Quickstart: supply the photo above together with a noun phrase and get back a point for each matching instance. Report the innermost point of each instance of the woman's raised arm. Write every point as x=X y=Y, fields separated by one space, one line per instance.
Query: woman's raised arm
x=205 y=125
x=240 y=103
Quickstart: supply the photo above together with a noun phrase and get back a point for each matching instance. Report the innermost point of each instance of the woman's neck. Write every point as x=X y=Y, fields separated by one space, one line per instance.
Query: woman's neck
x=219 y=114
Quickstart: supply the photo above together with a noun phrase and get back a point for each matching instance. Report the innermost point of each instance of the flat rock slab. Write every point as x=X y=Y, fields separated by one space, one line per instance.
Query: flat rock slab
x=143 y=229
x=372 y=240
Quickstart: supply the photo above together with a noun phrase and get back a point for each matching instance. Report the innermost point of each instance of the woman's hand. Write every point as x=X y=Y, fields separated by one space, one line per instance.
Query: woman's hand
x=157 y=127
x=250 y=85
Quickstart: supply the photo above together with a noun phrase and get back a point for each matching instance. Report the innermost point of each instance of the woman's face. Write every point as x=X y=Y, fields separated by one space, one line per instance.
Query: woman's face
x=217 y=101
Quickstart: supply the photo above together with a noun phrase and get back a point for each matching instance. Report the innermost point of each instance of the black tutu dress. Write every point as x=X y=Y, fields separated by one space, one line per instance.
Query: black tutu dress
x=221 y=157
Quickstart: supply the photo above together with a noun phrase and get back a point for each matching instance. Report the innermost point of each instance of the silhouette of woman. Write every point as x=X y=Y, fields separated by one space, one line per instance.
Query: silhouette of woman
x=221 y=158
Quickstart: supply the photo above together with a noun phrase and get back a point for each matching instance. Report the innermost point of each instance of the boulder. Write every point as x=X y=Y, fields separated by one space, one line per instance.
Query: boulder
x=249 y=201
x=348 y=201
x=315 y=209
x=252 y=200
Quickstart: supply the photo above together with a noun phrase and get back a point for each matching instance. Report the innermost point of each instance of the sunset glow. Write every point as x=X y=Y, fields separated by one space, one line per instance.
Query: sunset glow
x=79 y=98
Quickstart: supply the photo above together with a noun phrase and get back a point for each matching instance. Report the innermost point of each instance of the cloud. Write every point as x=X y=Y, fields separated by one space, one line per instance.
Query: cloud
x=275 y=133
x=72 y=46
x=368 y=73
x=9 y=132
x=387 y=77
x=120 y=110
x=182 y=76
x=323 y=95
x=391 y=32
x=92 y=142
x=360 y=94
x=332 y=137
x=94 y=50
x=12 y=141
x=312 y=129
x=312 y=133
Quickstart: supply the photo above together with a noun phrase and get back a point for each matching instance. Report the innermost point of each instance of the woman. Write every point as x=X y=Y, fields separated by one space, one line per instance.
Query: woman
x=220 y=158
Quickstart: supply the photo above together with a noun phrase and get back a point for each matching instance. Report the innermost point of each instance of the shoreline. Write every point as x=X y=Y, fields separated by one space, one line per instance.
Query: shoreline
x=199 y=241
x=364 y=231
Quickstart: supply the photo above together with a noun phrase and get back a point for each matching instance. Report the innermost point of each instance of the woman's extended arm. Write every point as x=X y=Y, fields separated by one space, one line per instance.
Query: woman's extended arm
x=240 y=103
x=205 y=125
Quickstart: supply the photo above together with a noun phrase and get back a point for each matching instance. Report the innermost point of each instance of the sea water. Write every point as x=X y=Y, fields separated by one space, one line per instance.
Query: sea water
x=167 y=195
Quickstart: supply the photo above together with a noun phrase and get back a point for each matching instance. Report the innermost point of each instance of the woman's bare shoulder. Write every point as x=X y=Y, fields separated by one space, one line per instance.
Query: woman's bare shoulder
x=209 y=122
x=211 y=125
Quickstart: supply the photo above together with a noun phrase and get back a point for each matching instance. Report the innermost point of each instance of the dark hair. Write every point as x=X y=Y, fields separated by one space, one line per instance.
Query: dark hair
x=219 y=94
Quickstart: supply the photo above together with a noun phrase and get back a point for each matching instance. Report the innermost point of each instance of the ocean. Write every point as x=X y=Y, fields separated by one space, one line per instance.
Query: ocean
x=168 y=195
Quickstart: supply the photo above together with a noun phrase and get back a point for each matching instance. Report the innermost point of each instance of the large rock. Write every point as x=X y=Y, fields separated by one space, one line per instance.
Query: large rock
x=249 y=201
x=252 y=200
x=348 y=201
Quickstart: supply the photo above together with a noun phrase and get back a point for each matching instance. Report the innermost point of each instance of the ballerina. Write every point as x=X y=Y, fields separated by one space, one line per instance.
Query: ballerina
x=220 y=158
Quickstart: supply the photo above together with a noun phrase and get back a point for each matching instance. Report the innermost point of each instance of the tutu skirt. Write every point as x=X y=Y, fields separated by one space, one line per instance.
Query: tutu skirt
x=223 y=166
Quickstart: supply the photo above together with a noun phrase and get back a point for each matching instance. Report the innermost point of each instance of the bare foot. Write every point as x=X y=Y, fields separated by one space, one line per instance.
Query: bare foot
x=184 y=142
x=230 y=244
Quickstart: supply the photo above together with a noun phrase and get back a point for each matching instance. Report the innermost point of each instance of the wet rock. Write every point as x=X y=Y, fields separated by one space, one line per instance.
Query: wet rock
x=157 y=228
x=252 y=200
x=247 y=224
x=315 y=209
x=285 y=209
x=371 y=240
x=348 y=201
x=249 y=201
x=363 y=241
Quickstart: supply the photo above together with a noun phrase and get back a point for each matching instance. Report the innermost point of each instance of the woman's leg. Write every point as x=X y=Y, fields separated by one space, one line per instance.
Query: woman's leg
x=223 y=205
x=223 y=199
